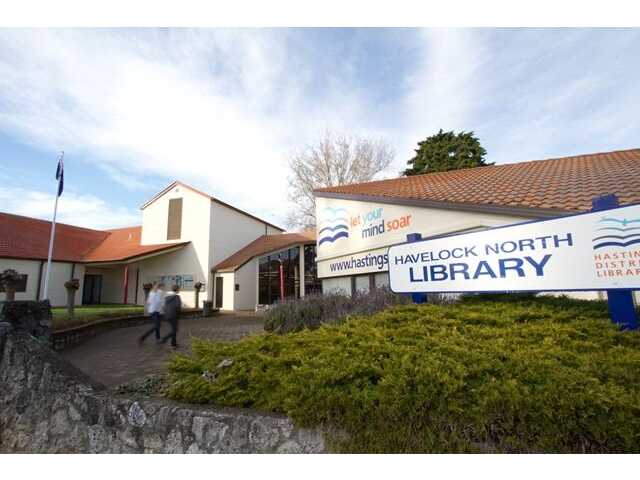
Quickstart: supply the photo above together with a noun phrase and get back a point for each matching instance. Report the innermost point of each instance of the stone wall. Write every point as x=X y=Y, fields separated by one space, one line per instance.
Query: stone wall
x=48 y=406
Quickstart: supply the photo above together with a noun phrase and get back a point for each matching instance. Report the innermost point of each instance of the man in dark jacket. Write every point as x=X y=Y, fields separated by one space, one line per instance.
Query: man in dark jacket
x=172 y=309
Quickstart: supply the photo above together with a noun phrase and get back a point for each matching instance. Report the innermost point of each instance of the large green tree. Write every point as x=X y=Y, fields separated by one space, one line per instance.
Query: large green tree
x=446 y=151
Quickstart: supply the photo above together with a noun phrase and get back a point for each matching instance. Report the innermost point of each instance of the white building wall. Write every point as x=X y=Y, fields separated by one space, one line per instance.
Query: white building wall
x=195 y=258
x=61 y=273
x=31 y=268
x=426 y=221
x=273 y=231
x=337 y=285
x=246 y=276
x=232 y=230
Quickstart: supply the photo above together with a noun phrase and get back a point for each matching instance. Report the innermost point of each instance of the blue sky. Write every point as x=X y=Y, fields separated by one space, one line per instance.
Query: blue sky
x=222 y=109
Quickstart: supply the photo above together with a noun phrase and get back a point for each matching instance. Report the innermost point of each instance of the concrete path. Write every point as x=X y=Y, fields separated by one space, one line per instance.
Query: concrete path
x=114 y=357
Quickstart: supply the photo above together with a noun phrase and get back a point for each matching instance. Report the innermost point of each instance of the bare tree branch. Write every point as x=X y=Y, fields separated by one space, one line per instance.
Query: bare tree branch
x=336 y=159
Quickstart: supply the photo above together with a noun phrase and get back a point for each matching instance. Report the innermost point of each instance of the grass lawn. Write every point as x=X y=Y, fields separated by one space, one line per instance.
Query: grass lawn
x=502 y=375
x=90 y=313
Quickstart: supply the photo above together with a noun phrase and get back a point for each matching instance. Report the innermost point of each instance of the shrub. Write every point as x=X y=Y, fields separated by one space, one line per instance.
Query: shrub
x=311 y=311
x=538 y=375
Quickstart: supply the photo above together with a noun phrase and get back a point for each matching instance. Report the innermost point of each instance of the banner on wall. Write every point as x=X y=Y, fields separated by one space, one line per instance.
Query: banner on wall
x=372 y=261
x=590 y=251
x=184 y=281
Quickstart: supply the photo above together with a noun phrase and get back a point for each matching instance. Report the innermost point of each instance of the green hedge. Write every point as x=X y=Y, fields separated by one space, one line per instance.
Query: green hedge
x=532 y=375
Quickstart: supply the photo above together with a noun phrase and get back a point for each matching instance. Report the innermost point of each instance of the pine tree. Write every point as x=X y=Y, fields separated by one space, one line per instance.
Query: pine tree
x=447 y=151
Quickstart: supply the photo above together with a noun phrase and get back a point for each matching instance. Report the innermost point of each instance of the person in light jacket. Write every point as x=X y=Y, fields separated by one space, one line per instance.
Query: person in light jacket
x=172 y=310
x=155 y=304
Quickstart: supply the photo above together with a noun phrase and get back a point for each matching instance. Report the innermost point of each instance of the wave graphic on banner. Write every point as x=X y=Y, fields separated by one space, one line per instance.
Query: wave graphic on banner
x=617 y=240
x=335 y=225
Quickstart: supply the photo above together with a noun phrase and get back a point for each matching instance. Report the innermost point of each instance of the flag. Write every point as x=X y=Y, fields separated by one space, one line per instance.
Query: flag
x=60 y=175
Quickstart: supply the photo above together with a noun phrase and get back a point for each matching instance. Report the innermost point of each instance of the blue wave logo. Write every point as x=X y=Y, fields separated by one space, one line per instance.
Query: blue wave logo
x=334 y=225
x=616 y=236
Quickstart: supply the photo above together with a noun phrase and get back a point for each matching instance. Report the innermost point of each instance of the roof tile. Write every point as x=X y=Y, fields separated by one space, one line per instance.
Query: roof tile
x=567 y=183
x=25 y=237
x=263 y=245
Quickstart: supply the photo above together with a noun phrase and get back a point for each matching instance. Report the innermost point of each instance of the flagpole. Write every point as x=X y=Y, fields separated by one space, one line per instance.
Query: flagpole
x=45 y=295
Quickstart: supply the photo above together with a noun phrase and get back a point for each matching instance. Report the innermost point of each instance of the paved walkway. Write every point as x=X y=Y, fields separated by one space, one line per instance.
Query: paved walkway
x=114 y=357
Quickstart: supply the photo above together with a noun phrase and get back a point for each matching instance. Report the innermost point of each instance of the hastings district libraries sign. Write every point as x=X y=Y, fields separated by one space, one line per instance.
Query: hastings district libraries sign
x=592 y=251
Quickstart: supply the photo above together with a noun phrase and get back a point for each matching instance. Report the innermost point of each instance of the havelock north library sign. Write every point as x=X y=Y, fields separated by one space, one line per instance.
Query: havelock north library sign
x=593 y=251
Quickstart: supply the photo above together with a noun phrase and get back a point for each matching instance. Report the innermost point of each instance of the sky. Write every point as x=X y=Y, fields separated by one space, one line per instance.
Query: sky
x=223 y=109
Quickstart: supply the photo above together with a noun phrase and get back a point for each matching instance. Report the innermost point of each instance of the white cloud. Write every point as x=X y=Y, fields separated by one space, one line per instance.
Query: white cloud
x=221 y=109
x=444 y=88
x=216 y=108
x=76 y=209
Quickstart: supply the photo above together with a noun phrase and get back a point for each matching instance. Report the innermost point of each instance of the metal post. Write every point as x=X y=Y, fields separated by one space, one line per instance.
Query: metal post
x=126 y=284
x=281 y=281
x=417 y=297
x=45 y=296
x=621 y=306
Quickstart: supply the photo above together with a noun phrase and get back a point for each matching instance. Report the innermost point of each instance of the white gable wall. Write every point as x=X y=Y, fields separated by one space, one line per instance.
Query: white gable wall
x=194 y=259
x=232 y=230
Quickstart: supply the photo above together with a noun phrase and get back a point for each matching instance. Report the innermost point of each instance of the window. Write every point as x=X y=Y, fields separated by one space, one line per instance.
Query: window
x=311 y=282
x=174 y=220
x=269 y=276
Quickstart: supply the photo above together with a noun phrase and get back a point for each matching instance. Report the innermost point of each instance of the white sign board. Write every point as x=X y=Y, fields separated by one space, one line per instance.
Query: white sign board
x=353 y=236
x=591 y=251
x=184 y=281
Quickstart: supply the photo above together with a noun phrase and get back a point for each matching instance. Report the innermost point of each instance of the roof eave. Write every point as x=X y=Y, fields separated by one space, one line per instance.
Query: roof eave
x=138 y=257
x=233 y=268
x=471 y=207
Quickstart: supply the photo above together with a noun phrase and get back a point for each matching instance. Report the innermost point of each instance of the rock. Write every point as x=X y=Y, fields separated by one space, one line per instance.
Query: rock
x=174 y=442
x=227 y=362
x=136 y=415
x=59 y=423
x=193 y=448
x=289 y=447
x=97 y=439
x=210 y=376
x=311 y=441
x=208 y=433
x=48 y=406
x=263 y=437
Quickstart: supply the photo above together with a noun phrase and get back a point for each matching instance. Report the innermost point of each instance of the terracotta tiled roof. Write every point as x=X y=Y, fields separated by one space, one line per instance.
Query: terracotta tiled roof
x=563 y=184
x=124 y=244
x=25 y=237
x=261 y=246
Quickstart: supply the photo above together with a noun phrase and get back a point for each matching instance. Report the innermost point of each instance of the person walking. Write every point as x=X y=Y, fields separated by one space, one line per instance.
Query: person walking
x=172 y=310
x=155 y=304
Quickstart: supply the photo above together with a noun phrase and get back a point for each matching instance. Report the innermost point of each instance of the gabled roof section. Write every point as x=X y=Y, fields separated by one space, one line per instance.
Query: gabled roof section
x=206 y=195
x=262 y=246
x=28 y=238
x=123 y=244
x=562 y=185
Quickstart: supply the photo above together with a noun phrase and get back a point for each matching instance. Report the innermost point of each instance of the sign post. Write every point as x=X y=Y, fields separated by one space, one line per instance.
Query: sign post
x=621 y=306
x=416 y=297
